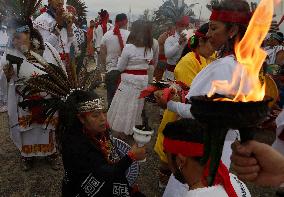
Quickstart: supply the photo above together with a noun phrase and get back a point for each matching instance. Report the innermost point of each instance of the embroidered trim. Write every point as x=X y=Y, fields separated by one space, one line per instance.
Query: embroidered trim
x=120 y=190
x=40 y=148
x=91 y=186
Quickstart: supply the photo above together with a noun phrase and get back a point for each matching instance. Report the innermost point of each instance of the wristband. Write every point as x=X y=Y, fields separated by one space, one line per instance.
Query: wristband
x=131 y=155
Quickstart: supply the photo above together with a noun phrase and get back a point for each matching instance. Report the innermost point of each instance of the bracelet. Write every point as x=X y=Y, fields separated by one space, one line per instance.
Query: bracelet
x=131 y=155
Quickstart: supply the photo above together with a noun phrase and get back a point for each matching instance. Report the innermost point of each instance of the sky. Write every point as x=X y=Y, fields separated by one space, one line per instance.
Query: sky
x=137 y=6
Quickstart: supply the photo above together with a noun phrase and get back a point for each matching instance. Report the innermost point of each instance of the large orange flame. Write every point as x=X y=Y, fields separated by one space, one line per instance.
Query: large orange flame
x=245 y=84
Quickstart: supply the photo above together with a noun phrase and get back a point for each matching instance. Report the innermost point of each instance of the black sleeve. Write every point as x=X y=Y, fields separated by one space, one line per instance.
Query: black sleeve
x=82 y=158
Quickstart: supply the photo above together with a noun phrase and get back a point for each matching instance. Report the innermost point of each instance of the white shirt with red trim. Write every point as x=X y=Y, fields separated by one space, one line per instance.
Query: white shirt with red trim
x=176 y=189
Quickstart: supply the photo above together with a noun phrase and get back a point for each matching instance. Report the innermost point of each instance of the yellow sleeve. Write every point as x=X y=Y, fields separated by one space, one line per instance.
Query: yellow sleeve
x=187 y=68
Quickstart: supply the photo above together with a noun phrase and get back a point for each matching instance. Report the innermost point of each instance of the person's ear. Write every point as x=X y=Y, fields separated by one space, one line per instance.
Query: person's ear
x=181 y=160
x=234 y=30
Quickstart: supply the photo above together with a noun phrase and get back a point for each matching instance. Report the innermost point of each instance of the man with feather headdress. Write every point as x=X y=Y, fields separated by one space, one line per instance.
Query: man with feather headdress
x=28 y=130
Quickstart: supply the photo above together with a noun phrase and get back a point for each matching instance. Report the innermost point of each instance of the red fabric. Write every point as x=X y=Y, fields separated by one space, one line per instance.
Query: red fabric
x=90 y=45
x=136 y=72
x=37 y=111
x=230 y=16
x=197 y=56
x=162 y=57
x=116 y=31
x=104 y=21
x=187 y=149
x=43 y=10
x=170 y=68
x=222 y=177
x=281 y=21
x=148 y=91
x=183 y=22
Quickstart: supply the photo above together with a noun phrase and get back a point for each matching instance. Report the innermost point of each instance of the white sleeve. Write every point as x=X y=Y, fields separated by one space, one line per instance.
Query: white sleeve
x=171 y=48
x=123 y=60
x=181 y=109
x=155 y=52
x=103 y=42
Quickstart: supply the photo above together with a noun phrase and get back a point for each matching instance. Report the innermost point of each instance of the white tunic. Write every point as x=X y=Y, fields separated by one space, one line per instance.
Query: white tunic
x=125 y=110
x=45 y=24
x=113 y=47
x=34 y=139
x=98 y=35
x=278 y=143
x=3 y=83
x=173 y=52
x=215 y=191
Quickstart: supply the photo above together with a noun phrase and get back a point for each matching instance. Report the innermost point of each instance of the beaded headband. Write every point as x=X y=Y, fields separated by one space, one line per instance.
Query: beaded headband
x=89 y=106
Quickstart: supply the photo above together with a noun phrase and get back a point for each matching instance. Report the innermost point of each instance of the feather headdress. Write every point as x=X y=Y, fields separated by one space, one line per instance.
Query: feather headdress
x=63 y=89
x=18 y=13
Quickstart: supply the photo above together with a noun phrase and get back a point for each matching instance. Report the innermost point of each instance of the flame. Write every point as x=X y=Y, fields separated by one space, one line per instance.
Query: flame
x=245 y=84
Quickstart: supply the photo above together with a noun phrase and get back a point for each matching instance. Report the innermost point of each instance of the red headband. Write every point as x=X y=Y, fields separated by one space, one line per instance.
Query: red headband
x=230 y=16
x=191 y=149
x=187 y=149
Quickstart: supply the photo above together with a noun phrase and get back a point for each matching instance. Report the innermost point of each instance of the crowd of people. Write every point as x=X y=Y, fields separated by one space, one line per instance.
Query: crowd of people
x=50 y=96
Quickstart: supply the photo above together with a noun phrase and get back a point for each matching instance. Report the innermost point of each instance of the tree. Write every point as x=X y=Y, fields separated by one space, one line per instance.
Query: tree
x=169 y=13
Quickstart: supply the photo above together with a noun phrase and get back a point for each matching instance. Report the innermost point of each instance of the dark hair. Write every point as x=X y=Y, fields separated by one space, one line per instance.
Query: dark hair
x=141 y=35
x=235 y=5
x=194 y=40
x=188 y=130
x=120 y=17
x=68 y=122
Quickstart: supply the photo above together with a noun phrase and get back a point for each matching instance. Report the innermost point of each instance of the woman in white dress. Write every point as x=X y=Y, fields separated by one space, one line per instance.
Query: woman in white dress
x=126 y=109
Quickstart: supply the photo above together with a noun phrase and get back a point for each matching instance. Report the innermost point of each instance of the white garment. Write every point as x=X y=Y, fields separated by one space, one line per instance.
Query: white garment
x=27 y=135
x=272 y=53
x=3 y=41
x=176 y=189
x=278 y=143
x=98 y=35
x=3 y=82
x=151 y=69
x=113 y=47
x=45 y=24
x=125 y=110
x=173 y=52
